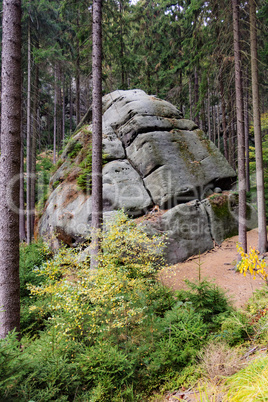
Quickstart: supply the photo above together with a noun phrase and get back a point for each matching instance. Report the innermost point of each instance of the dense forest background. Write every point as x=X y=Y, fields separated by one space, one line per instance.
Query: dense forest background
x=116 y=333
x=179 y=51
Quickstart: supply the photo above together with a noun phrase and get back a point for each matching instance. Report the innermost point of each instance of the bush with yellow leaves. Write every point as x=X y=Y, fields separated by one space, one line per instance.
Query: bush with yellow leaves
x=251 y=262
x=82 y=302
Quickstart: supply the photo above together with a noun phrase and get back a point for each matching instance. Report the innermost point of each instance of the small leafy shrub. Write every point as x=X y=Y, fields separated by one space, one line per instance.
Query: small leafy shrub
x=42 y=370
x=235 y=328
x=32 y=256
x=75 y=150
x=258 y=309
x=207 y=299
x=252 y=263
x=117 y=296
x=56 y=166
x=84 y=180
x=176 y=343
x=55 y=184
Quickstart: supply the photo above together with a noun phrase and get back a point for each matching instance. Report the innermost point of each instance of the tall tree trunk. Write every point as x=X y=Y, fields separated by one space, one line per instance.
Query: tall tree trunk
x=246 y=129
x=10 y=167
x=196 y=96
x=29 y=142
x=208 y=112
x=71 y=107
x=223 y=113
x=190 y=98
x=242 y=233
x=214 y=123
x=34 y=144
x=63 y=107
x=262 y=243
x=96 y=131
x=22 y=230
x=77 y=76
x=122 y=64
x=218 y=127
x=55 y=118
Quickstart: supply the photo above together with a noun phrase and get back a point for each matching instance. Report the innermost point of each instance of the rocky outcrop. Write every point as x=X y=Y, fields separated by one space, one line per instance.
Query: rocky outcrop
x=197 y=226
x=152 y=157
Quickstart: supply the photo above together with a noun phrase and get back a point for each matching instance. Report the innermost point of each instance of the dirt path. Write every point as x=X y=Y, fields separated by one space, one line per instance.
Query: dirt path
x=217 y=265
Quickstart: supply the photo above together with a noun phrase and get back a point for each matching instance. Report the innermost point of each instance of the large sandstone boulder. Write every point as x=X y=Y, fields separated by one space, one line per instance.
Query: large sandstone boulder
x=152 y=157
x=197 y=226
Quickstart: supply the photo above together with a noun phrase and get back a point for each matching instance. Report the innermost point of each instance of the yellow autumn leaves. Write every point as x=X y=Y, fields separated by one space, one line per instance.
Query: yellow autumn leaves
x=251 y=262
x=82 y=302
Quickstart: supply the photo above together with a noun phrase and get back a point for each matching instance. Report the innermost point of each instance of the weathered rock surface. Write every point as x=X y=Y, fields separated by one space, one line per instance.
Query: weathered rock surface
x=196 y=226
x=154 y=157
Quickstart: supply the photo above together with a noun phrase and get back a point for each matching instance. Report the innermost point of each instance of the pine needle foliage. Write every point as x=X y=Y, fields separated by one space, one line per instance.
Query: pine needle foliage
x=114 y=334
x=206 y=298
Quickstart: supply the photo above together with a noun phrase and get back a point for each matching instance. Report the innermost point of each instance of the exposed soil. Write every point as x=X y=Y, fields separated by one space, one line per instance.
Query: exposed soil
x=217 y=265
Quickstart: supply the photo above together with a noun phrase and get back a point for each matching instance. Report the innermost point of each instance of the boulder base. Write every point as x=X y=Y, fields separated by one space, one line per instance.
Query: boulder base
x=152 y=157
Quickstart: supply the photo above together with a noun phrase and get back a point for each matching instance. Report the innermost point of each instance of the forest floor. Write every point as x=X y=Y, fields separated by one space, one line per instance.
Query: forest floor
x=218 y=266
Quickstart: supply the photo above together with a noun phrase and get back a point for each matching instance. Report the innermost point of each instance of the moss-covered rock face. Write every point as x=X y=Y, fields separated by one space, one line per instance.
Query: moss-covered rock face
x=152 y=156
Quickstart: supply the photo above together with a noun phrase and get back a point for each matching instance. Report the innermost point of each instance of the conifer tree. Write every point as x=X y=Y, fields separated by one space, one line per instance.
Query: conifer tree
x=262 y=241
x=10 y=168
x=96 y=130
x=240 y=130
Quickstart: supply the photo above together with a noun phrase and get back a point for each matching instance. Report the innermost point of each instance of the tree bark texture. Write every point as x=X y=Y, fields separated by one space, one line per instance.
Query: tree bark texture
x=208 y=112
x=223 y=113
x=33 y=147
x=196 y=96
x=29 y=141
x=10 y=168
x=96 y=130
x=77 y=75
x=242 y=234
x=55 y=118
x=262 y=242
x=246 y=129
x=22 y=230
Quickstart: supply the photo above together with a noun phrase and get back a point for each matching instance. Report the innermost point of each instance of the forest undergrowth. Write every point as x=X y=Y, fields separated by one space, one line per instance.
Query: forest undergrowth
x=117 y=334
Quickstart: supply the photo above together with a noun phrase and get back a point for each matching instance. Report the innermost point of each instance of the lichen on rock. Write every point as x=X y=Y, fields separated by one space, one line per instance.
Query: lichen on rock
x=153 y=157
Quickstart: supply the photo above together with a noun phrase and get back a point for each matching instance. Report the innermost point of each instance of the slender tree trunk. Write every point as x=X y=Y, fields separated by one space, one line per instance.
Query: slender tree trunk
x=208 y=112
x=71 y=107
x=219 y=126
x=63 y=107
x=242 y=233
x=233 y=133
x=59 y=107
x=22 y=230
x=77 y=77
x=223 y=113
x=190 y=98
x=123 y=72
x=55 y=119
x=96 y=131
x=196 y=96
x=10 y=167
x=262 y=243
x=214 y=123
x=29 y=142
x=246 y=129
x=34 y=144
